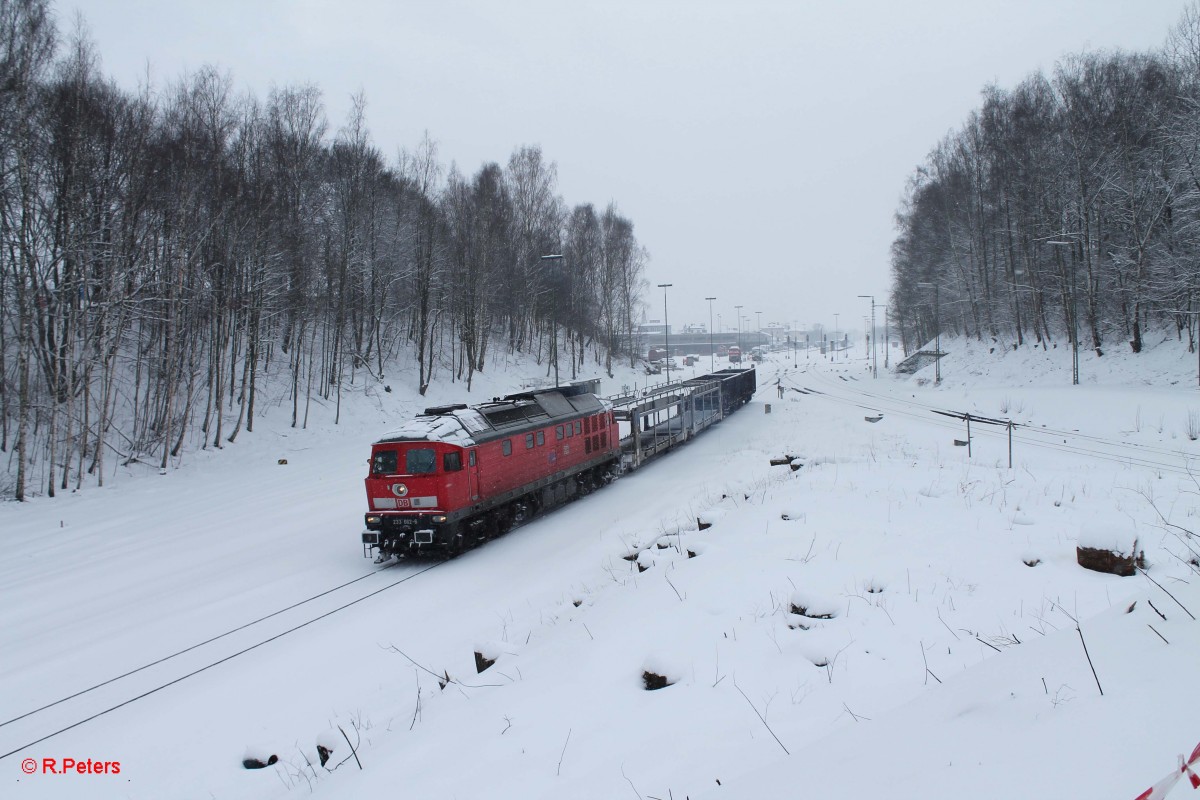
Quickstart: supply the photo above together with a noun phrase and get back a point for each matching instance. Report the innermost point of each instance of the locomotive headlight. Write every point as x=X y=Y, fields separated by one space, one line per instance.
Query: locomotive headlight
x=439 y=518
x=374 y=519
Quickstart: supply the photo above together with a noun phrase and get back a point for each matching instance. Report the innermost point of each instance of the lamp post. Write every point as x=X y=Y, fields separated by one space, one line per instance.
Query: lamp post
x=937 y=316
x=887 y=338
x=712 y=351
x=874 y=353
x=759 y=322
x=666 y=330
x=739 y=322
x=833 y=357
x=554 y=342
x=1074 y=315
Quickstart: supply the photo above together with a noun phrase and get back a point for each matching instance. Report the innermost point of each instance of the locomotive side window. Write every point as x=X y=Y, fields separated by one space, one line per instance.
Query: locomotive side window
x=541 y=438
x=570 y=430
x=420 y=461
x=384 y=463
x=558 y=432
x=578 y=427
x=471 y=457
x=452 y=462
x=529 y=441
x=506 y=447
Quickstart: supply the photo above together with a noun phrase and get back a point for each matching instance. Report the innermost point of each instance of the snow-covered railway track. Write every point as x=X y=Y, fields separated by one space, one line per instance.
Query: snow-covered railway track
x=1073 y=442
x=47 y=721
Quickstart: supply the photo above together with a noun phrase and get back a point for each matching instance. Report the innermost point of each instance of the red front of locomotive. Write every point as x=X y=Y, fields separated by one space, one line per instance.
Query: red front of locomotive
x=417 y=492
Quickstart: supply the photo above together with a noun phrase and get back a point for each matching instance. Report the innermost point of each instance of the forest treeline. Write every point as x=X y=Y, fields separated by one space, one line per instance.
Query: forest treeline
x=162 y=252
x=1070 y=202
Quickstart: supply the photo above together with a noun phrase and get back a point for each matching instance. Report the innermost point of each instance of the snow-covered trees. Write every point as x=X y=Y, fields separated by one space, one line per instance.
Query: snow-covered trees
x=161 y=252
x=1066 y=203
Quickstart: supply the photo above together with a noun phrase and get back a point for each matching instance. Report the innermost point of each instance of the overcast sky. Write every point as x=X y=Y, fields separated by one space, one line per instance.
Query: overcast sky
x=760 y=148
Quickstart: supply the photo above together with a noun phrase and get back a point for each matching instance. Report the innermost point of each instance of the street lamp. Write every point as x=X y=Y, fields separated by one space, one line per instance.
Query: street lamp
x=1074 y=315
x=712 y=351
x=937 y=316
x=759 y=322
x=739 y=322
x=887 y=338
x=835 y=338
x=874 y=354
x=666 y=329
x=554 y=342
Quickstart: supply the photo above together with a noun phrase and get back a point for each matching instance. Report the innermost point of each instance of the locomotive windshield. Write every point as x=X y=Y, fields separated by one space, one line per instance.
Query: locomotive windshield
x=384 y=462
x=419 y=460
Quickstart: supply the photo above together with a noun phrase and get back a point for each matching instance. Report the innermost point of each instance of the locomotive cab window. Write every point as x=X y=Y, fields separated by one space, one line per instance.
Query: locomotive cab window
x=558 y=432
x=452 y=461
x=506 y=447
x=471 y=457
x=541 y=438
x=529 y=441
x=420 y=461
x=384 y=462
x=578 y=427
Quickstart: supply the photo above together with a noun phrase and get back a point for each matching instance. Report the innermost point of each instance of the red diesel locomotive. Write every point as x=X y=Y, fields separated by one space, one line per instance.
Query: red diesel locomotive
x=458 y=475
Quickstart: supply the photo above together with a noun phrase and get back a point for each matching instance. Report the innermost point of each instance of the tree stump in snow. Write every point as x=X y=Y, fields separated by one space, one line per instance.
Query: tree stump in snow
x=1099 y=559
x=482 y=662
x=654 y=681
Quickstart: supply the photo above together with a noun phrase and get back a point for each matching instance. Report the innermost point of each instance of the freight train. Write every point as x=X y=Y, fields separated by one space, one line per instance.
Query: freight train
x=459 y=475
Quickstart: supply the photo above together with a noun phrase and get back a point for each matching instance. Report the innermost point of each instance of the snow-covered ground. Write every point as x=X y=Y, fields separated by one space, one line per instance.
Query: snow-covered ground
x=940 y=652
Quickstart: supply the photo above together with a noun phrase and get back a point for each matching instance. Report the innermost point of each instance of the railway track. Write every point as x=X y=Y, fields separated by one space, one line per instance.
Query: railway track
x=1074 y=442
x=44 y=722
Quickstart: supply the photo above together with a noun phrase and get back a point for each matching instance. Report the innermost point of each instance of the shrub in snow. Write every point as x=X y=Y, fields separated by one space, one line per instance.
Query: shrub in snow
x=708 y=518
x=327 y=742
x=488 y=653
x=813 y=607
x=653 y=680
x=818 y=656
x=257 y=757
x=1110 y=548
x=645 y=560
x=789 y=513
x=657 y=674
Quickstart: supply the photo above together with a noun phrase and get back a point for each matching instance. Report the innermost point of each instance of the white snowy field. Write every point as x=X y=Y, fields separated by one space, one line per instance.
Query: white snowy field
x=943 y=655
